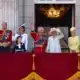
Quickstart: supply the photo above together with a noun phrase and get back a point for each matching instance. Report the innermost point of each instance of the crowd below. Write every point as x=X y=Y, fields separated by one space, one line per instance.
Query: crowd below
x=42 y=43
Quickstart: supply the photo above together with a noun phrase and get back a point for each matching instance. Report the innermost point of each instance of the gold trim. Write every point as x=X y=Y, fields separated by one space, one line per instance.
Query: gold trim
x=33 y=76
x=33 y=66
x=76 y=76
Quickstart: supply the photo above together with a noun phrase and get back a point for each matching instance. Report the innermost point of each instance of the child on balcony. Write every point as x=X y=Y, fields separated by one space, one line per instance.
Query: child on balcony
x=19 y=46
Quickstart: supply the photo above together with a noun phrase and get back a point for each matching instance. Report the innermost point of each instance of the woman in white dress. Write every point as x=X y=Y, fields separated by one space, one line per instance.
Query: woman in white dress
x=24 y=36
x=53 y=45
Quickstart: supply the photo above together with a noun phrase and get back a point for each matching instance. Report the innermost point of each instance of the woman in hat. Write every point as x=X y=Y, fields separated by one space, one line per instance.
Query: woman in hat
x=53 y=45
x=73 y=41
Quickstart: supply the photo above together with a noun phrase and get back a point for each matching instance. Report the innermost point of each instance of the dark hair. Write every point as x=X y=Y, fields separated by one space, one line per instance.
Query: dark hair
x=4 y=23
x=17 y=39
x=23 y=28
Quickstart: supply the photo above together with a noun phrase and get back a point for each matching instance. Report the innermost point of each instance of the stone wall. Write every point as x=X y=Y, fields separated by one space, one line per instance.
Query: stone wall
x=26 y=12
x=77 y=17
x=26 y=16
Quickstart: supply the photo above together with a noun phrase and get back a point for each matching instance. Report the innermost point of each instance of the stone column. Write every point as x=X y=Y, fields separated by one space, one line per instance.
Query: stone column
x=20 y=11
x=77 y=17
x=28 y=18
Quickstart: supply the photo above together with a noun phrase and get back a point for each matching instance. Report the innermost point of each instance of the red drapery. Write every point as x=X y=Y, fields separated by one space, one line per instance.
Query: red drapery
x=48 y=66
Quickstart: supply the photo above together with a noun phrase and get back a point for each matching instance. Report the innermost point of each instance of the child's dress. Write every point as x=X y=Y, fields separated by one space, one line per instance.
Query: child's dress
x=19 y=48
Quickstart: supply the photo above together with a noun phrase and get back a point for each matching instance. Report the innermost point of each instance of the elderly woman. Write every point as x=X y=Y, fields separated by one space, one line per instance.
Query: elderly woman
x=23 y=35
x=53 y=45
x=73 y=41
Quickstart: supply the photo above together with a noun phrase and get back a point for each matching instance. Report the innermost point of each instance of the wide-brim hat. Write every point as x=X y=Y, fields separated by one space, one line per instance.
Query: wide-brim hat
x=72 y=29
x=53 y=30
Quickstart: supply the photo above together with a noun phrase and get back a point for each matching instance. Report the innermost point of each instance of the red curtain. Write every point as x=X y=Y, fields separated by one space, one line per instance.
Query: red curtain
x=49 y=66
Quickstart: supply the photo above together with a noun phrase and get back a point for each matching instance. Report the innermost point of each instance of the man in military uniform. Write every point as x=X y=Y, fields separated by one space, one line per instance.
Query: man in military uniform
x=5 y=38
x=40 y=40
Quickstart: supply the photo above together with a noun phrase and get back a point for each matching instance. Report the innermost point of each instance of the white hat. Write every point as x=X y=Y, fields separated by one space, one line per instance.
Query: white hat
x=21 y=25
x=53 y=29
x=72 y=28
x=58 y=30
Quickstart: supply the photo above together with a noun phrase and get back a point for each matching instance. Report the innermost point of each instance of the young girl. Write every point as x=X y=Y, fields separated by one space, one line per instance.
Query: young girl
x=19 y=46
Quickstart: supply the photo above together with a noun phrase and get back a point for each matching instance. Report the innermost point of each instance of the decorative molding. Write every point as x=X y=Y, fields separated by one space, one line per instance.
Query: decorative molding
x=56 y=1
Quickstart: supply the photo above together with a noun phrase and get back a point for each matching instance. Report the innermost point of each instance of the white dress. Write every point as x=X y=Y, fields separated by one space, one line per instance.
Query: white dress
x=24 y=39
x=53 y=45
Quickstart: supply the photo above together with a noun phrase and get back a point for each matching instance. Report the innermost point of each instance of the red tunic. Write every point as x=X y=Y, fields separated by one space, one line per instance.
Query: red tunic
x=34 y=36
x=9 y=38
x=39 y=48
